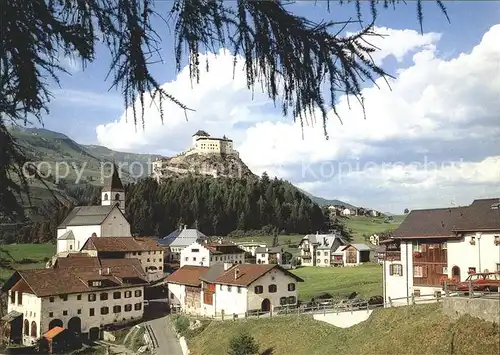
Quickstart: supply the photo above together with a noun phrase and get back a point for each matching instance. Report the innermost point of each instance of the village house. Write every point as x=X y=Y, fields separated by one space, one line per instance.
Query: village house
x=179 y=239
x=433 y=244
x=272 y=255
x=354 y=254
x=321 y=250
x=149 y=253
x=250 y=247
x=225 y=289
x=83 y=299
x=107 y=220
x=207 y=254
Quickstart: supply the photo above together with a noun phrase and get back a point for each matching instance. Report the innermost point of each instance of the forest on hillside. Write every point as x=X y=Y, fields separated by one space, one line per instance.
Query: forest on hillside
x=214 y=206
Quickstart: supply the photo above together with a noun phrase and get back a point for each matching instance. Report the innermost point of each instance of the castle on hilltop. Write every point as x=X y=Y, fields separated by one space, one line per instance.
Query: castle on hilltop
x=203 y=143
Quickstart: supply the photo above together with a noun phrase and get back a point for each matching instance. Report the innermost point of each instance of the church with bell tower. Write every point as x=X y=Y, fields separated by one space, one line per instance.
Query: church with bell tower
x=113 y=191
x=106 y=220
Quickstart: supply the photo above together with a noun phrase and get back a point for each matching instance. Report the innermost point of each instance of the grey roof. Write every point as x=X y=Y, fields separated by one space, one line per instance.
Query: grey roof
x=213 y=273
x=9 y=317
x=360 y=246
x=268 y=250
x=86 y=216
x=324 y=241
x=67 y=236
x=182 y=238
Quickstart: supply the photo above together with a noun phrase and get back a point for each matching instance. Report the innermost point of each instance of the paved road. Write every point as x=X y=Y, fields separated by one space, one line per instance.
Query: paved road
x=165 y=338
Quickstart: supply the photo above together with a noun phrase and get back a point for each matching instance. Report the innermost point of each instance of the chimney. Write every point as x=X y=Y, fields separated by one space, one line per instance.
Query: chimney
x=100 y=271
x=227 y=266
x=185 y=226
x=236 y=273
x=108 y=270
x=317 y=232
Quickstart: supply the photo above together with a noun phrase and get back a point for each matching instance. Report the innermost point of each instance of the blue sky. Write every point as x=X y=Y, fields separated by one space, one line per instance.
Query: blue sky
x=85 y=110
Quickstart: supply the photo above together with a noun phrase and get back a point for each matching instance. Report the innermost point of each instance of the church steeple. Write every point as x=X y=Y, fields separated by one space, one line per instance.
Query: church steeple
x=113 y=191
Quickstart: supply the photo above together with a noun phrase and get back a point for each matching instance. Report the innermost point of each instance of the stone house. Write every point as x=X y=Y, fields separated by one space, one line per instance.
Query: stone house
x=83 y=299
x=226 y=289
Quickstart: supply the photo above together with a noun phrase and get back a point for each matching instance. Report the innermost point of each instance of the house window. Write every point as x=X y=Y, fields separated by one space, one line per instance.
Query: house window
x=79 y=311
x=103 y=296
x=91 y=312
x=472 y=270
x=283 y=301
x=92 y=297
x=416 y=293
x=51 y=314
x=51 y=299
x=396 y=270
x=117 y=309
x=138 y=306
x=472 y=241
x=104 y=310
x=498 y=266
x=148 y=260
x=65 y=313
x=272 y=288
x=128 y=307
x=497 y=240
x=239 y=289
x=326 y=261
x=417 y=247
x=78 y=297
x=326 y=253
x=444 y=246
x=291 y=287
x=186 y=259
x=318 y=253
x=138 y=293
x=127 y=294
x=195 y=250
x=292 y=300
x=263 y=255
x=117 y=197
x=220 y=287
x=194 y=258
x=105 y=197
x=64 y=297
x=258 y=290
x=228 y=288
x=419 y=271
x=117 y=295
x=33 y=329
x=26 y=327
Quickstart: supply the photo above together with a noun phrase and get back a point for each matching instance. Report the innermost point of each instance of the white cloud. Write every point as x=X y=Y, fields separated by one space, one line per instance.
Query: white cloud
x=436 y=107
x=75 y=98
x=398 y=43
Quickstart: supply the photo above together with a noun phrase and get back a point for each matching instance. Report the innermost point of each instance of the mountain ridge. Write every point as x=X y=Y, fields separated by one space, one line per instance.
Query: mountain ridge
x=42 y=144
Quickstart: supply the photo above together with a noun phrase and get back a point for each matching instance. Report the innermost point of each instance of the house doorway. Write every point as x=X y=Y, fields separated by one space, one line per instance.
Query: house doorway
x=94 y=334
x=455 y=273
x=75 y=325
x=55 y=323
x=266 y=305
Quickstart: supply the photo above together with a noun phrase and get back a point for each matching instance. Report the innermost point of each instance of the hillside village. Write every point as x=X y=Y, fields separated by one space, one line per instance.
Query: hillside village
x=103 y=277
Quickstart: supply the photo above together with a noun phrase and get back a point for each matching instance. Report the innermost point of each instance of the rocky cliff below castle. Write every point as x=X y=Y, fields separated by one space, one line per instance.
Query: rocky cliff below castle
x=215 y=165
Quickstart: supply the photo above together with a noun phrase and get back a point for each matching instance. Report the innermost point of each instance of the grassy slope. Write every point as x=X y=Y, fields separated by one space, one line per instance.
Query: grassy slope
x=421 y=329
x=35 y=252
x=365 y=280
x=369 y=225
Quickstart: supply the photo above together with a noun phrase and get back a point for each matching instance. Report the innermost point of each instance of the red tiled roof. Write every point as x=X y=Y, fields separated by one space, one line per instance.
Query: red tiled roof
x=51 y=334
x=248 y=273
x=58 y=281
x=121 y=244
x=188 y=275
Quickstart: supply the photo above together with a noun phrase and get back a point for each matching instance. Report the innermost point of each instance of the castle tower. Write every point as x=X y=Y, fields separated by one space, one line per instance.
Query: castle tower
x=113 y=191
x=197 y=135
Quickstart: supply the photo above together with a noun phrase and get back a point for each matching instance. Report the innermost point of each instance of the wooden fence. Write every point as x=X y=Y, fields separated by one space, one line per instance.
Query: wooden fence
x=323 y=307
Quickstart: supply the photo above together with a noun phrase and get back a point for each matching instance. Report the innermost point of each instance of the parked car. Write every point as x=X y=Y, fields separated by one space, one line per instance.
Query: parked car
x=481 y=282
